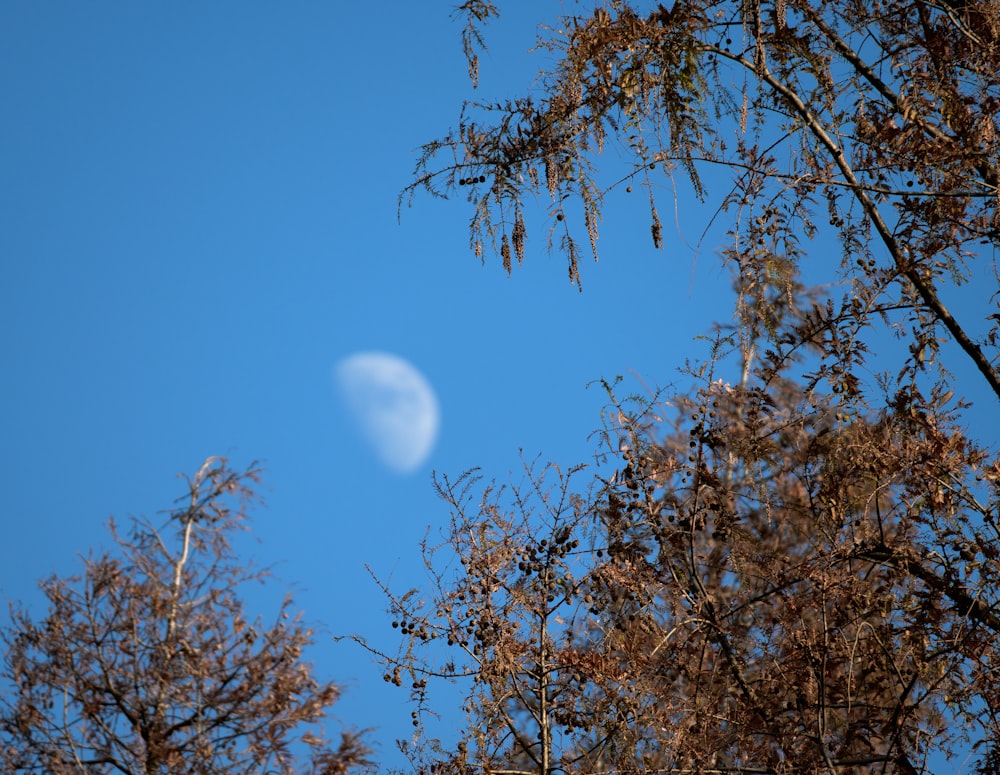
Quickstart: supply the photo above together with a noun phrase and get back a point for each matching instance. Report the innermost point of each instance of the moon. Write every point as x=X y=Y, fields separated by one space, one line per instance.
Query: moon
x=393 y=405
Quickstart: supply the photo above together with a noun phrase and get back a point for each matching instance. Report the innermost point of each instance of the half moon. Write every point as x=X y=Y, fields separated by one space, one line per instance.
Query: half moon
x=394 y=406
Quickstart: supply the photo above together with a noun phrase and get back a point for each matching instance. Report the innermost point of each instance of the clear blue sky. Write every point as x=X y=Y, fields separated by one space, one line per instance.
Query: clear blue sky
x=198 y=219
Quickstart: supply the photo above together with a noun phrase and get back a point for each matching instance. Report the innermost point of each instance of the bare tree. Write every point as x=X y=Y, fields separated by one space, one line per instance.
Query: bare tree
x=147 y=663
x=793 y=568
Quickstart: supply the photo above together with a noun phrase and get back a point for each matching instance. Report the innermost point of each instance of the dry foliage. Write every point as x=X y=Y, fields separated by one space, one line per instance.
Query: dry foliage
x=876 y=120
x=766 y=587
x=797 y=570
x=147 y=663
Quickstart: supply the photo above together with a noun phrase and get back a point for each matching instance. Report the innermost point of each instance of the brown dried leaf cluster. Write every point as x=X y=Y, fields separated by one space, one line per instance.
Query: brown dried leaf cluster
x=874 y=124
x=766 y=586
x=147 y=662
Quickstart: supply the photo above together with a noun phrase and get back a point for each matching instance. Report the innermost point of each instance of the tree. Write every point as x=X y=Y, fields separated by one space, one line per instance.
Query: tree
x=148 y=664
x=763 y=589
x=878 y=119
x=794 y=566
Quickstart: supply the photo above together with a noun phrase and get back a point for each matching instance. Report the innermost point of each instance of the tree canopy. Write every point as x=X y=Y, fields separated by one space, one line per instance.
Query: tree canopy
x=793 y=567
x=148 y=663
x=876 y=121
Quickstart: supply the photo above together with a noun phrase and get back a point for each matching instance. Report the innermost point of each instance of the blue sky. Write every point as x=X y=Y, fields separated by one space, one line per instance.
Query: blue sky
x=199 y=220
